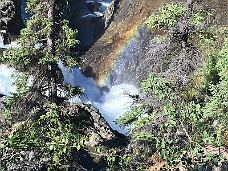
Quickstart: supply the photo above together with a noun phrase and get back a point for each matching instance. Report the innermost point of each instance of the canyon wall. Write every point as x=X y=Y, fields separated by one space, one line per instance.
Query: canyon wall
x=113 y=32
x=122 y=21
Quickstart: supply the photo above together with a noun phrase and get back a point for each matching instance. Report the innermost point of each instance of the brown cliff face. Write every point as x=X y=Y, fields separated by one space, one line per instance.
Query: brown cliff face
x=128 y=16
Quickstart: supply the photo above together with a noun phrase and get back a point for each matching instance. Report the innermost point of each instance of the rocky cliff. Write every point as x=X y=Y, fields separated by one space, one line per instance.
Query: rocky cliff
x=122 y=21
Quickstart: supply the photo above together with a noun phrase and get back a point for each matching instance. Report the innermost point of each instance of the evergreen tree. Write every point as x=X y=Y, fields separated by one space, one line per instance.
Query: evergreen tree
x=46 y=40
x=44 y=132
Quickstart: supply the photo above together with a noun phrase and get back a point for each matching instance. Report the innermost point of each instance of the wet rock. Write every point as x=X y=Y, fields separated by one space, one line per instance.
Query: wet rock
x=7 y=10
x=108 y=15
x=3 y=100
x=99 y=132
x=121 y=21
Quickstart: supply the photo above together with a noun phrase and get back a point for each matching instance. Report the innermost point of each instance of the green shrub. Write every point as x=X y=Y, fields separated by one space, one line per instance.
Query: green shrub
x=52 y=136
x=169 y=14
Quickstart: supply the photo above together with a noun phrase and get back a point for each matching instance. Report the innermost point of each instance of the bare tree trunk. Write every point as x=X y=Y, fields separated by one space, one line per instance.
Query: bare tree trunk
x=51 y=51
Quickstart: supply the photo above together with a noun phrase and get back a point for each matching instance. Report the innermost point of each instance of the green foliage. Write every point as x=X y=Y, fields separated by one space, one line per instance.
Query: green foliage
x=210 y=44
x=32 y=56
x=52 y=133
x=32 y=49
x=158 y=85
x=72 y=91
x=130 y=116
x=168 y=16
x=178 y=23
x=222 y=63
x=111 y=158
x=217 y=105
x=48 y=127
x=125 y=158
x=38 y=76
x=215 y=74
x=172 y=13
x=144 y=120
x=21 y=83
x=198 y=16
x=173 y=126
x=178 y=129
x=143 y=136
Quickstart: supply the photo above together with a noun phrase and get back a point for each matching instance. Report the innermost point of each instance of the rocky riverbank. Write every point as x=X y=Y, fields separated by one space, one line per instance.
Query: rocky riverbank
x=98 y=133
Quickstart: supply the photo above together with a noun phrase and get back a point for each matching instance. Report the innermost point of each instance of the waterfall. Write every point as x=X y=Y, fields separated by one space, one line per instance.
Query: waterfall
x=83 y=16
x=6 y=80
x=5 y=74
x=1 y=41
x=25 y=16
x=2 y=45
x=112 y=102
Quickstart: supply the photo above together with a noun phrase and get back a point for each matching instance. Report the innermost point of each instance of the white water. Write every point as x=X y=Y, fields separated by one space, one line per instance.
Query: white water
x=101 y=6
x=112 y=102
x=2 y=41
x=6 y=80
x=5 y=74
x=115 y=103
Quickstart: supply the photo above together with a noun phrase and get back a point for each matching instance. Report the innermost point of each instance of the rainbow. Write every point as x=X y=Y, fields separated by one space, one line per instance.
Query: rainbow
x=117 y=54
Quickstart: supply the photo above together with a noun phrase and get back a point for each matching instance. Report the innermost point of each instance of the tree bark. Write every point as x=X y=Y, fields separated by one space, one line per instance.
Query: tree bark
x=51 y=52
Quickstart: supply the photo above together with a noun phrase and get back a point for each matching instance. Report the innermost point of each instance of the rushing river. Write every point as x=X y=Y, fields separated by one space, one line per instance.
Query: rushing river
x=83 y=16
x=112 y=101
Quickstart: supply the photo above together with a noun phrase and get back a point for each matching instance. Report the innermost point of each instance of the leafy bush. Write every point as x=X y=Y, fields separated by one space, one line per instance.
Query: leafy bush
x=50 y=140
x=170 y=130
x=216 y=107
x=169 y=14
x=173 y=128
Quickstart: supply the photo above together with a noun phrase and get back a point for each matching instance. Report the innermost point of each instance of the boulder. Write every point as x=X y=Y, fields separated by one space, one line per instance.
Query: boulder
x=98 y=132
